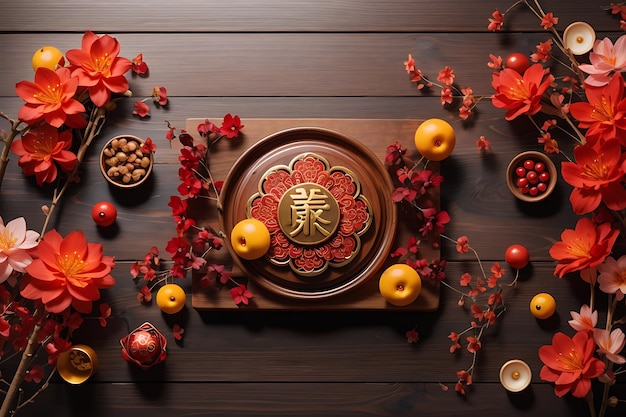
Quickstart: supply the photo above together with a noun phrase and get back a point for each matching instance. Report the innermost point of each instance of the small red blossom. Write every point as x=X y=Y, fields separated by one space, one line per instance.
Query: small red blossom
x=105 y=313
x=446 y=76
x=549 y=145
x=473 y=344
x=466 y=279
x=495 y=21
x=494 y=299
x=148 y=146
x=144 y=295
x=495 y=62
x=178 y=332
x=548 y=20
x=482 y=144
x=412 y=336
x=231 y=126
x=140 y=67
x=34 y=374
x=465 y=378
x=462 y=244
x=141 y=109
x=159 y=96
x=542 y=53
x=240 y=294
x=446 y=96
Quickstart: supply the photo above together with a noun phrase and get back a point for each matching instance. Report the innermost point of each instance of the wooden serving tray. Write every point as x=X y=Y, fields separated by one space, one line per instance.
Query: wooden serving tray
x=376 y=135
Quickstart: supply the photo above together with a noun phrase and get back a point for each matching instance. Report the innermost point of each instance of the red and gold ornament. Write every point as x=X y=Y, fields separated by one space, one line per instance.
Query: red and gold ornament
x=144 y=346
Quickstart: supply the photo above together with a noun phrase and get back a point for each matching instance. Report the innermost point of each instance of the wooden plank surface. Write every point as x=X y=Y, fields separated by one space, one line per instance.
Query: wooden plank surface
x=302 y=59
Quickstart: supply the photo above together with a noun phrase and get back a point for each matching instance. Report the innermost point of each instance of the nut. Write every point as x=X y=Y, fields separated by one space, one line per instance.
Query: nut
x=124 y=160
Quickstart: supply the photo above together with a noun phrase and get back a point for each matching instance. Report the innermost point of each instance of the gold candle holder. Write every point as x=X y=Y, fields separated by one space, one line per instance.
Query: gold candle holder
x=515 y=375
x=77 y=364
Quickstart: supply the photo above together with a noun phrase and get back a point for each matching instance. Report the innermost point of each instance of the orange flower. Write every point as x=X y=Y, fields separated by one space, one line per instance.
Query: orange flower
x=98 y=67
x=68 y=271
x=570 y=364
x=520 y=94
x=39 y=149
x=50 y=98
x=604 y=116
x=596 y=177
x=585 y=247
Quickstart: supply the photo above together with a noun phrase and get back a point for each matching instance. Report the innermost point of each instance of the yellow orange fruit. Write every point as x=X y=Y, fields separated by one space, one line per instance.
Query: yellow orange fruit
x=171 y=298
x=435 y=139
x=400 y=284
x=250 y=239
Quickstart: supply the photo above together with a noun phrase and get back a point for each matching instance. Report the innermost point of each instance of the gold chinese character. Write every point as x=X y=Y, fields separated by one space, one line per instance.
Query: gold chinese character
x=306 y=212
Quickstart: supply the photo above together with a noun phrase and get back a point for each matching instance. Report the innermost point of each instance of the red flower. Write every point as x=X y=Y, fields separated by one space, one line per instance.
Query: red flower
x=543 y=51
x=482 y=144
x=462 y=244
x=159 y=96
x=412 y=336
x=40 y=151
x=604 y=114
x=548 y=20
x=141 y=109
x=520 y=94
x=586 y=246
x=139 y=66
x=446 y=75
x=50 y=98
x=570 y=364
x=495 y=22
x=240 y=294
x=99 y=68
x=596 y=176
x=68 y=271
x=35 y=374
x=231 y=126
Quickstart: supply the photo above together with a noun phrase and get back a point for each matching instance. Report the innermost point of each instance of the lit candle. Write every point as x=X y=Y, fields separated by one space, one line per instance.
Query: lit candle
x=78 y=364
x=579 y=38
x=515 y=375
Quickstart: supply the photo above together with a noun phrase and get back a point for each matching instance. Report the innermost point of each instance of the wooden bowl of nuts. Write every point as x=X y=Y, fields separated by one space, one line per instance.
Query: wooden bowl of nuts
x=123 y=163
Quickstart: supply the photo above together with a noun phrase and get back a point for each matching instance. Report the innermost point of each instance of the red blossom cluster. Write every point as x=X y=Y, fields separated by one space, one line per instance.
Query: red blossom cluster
x=191 y=245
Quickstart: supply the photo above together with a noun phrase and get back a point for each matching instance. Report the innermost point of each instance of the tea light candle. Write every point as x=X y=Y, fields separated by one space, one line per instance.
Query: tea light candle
x=515 y=375
x=77 y=364
x=579 y=38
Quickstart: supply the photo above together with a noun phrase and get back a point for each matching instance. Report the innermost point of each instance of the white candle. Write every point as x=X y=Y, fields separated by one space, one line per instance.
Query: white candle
x=515 y=375
x=579 y=38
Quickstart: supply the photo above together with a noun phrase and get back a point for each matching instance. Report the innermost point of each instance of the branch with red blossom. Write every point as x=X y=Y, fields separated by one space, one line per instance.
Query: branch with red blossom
x=193 y=243
x=41 y=304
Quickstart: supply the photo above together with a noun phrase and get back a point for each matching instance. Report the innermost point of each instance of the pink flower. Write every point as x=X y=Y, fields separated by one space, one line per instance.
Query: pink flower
x=240 y=294
x=605 y=59
x=570 y=364
x=585 y=320
x=462 y=244
x=610 y=344
x=141 y=109
x=612 y=278
x=15 y=242
x=412 y=336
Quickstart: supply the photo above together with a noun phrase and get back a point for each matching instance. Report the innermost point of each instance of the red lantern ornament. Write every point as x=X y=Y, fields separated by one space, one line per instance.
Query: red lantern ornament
x=144 y=346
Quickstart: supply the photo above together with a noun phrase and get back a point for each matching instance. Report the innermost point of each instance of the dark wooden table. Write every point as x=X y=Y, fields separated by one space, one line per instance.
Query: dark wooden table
x=306 y=59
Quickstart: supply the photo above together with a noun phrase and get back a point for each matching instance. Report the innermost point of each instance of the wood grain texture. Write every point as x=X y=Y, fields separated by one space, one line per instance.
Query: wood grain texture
x=327 y=59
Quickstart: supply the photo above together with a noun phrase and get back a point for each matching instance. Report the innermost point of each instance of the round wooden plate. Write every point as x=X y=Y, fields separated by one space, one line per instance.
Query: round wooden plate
x=339 y=150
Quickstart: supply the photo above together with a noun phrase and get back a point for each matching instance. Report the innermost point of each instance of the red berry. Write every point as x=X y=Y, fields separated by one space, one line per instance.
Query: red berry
x=529 y=164
x=520 y=172
x=517 y=62
x=540 y=167
x=533 y=191
x=532 y=177
x=522 y=182
x=524 y=190
x=517 y=256
x=544 y=176
x=542 y=186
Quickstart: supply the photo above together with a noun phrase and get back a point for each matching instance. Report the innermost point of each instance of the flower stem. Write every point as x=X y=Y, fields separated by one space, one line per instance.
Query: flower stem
x=20 y=373
x=4 y=157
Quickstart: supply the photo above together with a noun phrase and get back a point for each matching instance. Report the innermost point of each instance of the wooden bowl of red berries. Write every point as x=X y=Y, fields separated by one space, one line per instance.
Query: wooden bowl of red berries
x=531 y=176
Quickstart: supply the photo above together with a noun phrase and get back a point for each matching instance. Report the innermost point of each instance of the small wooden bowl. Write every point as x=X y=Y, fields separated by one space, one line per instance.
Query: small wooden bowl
x=78 y=364
x=118 y=180
x=515 y=375
x=511 y=176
